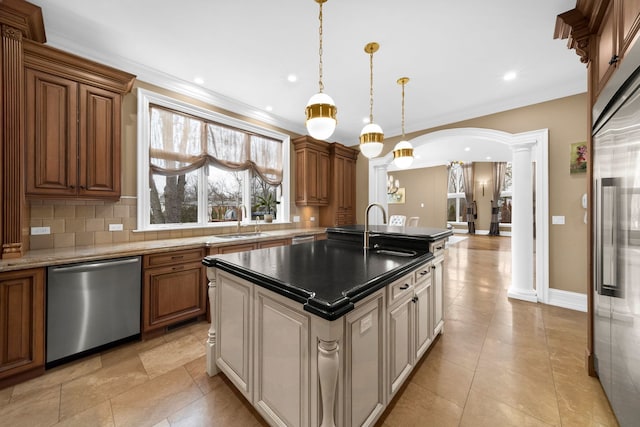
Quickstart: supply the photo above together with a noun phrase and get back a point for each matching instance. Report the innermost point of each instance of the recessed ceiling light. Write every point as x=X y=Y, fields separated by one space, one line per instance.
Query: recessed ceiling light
x=292 y=78
x=488 y=157
x=268 y=108
x=199 y=80
x=467 y=148
x=511 y=75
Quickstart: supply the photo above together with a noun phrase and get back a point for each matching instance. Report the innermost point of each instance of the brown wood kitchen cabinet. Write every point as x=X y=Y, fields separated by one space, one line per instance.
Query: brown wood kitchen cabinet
x=73 y=125
x=21 y=325
x=341 y=209
x=174 y=288
x=312 y=171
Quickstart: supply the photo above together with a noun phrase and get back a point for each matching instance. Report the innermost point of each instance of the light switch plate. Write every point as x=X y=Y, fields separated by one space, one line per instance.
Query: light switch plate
x=40 y=230
x=296 y=218
x=557 y=219
x=115 y=227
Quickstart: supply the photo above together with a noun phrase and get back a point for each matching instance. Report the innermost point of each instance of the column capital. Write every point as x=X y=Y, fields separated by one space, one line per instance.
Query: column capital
x=524 y=145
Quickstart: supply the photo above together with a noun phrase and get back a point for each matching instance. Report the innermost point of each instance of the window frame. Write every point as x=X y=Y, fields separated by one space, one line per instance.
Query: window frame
x=145 y=98
x=456 y=197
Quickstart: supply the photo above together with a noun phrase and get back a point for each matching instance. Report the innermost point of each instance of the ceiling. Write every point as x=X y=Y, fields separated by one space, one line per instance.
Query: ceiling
x=454 y=52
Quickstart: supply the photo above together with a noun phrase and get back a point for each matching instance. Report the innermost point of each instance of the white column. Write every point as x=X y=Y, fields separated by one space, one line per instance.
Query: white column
x=212 y=368
x=522 y=255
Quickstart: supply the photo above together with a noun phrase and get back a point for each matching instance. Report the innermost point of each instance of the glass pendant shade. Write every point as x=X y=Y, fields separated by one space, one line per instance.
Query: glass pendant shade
x=371 y=140
x=321 y=116
x=403 y=154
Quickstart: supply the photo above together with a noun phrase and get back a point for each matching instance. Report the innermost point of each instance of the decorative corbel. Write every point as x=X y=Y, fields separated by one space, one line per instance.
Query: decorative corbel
x=573 y=25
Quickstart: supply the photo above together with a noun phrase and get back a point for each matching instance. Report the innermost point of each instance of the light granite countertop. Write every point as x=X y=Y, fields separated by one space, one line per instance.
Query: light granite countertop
x=47 y=257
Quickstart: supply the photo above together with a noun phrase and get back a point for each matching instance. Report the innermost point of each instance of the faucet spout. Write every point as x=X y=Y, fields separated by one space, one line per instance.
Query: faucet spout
x=240 y=209
x=366 y=221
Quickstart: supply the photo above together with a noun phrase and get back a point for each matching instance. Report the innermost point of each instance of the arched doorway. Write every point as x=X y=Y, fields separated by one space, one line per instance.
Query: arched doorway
x=528 y=151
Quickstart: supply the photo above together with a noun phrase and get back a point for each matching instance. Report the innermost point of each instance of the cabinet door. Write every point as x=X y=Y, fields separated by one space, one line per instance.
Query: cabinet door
x=236 y=248
x=438 y=295
x=274 y=243
x=364 y=362
x=282 y=368
x=400 y=343
x=51 y=134
x=234 y=320
x=21 y=322
x=99 y=143
x=629 y=16
x=422 y=307
x=172 y=294
x=607 y=49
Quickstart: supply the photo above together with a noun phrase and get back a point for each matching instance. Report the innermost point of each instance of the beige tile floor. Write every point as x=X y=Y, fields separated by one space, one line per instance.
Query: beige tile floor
x=499 y=363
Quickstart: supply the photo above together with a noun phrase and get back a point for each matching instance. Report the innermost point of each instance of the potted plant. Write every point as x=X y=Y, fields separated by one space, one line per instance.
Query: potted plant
x=267 y=203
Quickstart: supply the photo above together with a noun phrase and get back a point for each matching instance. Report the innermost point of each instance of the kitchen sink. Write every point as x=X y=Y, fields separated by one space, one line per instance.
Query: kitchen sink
x=395 y=252
x=246 y=235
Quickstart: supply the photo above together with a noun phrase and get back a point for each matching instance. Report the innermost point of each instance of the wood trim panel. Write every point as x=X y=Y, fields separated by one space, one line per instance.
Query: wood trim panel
x=25 y=17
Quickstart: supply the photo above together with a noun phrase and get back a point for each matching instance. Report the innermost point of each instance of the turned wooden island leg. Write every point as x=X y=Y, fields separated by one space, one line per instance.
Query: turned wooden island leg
x=328 y=366
x=212 y=368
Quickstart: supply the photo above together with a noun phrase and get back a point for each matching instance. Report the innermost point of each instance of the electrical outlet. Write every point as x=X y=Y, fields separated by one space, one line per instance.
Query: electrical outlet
x=115 y=227
x=557 y=219
x=40 y=230
x=313 y=218
x=296 y=218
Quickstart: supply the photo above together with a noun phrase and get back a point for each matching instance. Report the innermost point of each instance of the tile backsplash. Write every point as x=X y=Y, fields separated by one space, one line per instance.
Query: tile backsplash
x=86 y=223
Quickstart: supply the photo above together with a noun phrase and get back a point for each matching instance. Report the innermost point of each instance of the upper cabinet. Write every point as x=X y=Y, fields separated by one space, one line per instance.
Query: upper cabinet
x=341 y=209
x=601 y=32
x=312 y=172
x=73 y=125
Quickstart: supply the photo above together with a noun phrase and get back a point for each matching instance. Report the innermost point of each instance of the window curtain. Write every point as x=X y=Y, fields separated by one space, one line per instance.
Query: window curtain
x=498 y=170
x=181 y=144
x=468 y=177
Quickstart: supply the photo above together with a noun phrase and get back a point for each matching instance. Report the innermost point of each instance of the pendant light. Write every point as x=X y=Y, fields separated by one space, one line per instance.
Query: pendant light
x=371 y=136
x=403 y=151
x=321 y=110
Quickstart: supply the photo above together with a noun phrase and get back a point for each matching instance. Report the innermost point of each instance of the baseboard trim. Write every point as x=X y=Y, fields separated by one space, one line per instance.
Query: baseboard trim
x=566 y=299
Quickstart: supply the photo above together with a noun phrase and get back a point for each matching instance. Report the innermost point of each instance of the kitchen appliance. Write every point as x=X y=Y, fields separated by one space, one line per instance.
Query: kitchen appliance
x=90 y=306
x=616 y=232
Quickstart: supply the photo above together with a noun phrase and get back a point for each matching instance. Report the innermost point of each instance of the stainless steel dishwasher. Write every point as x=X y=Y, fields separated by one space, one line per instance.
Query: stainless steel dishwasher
x=91 y=305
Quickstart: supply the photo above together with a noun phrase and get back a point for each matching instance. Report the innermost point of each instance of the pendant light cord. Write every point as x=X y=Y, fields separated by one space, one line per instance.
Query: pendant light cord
x=320 y=51
x=371 y=87
x=403 y=138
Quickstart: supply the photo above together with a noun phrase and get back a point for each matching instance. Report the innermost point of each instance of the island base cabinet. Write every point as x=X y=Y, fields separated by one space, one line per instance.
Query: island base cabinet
x=400 y=344
x=234 y=345
x=364 y=399
x=281 y=362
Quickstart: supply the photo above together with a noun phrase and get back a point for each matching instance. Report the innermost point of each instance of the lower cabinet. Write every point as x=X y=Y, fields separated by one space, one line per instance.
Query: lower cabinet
x=437 y=249
x=22 y=330
x=174 y=288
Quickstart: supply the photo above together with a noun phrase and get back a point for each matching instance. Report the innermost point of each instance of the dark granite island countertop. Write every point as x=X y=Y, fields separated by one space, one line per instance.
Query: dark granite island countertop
x=390 y=236
x=328 y=277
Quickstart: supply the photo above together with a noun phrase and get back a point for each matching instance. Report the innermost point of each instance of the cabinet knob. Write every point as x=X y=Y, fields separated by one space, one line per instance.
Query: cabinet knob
x=423 y=272
x=72 y=187
x=414 y=300
x=613 y=59
x=433 y=267
x=404 y=287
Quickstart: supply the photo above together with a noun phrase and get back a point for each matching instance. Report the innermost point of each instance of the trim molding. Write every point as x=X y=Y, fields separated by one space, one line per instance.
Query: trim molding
x=566 y=299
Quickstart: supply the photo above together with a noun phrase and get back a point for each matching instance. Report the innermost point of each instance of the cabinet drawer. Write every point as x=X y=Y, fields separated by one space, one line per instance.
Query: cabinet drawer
x=169 y=258
x=437 y=248
x=423 y=273
x=400 y=289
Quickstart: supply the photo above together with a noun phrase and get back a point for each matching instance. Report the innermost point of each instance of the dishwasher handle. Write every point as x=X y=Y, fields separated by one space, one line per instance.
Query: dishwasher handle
x=94 y=266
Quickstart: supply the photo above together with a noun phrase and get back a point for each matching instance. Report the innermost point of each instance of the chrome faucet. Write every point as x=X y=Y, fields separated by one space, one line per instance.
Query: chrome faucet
x=366 y=222
x=239 y=209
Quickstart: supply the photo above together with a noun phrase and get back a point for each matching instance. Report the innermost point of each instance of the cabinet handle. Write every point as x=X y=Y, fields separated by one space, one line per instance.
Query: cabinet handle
x=414 y=300
x=438 y=248
x=404 y=287
x=433 y=267
x=177 y=257
x=423 y=272
x=72 y=187
x=613 y=59
x=178 y=267
x=82 y=187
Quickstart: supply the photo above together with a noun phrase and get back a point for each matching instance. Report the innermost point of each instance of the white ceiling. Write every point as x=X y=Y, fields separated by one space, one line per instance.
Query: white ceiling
x=455 y=53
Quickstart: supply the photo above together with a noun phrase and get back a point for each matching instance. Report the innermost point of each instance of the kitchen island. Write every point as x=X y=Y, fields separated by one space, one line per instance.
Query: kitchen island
x=325 y=333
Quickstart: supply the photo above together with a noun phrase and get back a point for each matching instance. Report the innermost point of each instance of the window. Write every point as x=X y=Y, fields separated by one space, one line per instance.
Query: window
x=198 y=168
x=456 y=202
x=505 y=203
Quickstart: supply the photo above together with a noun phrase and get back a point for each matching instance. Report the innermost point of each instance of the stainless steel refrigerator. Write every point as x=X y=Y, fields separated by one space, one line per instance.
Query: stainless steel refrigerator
x=616 y=311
